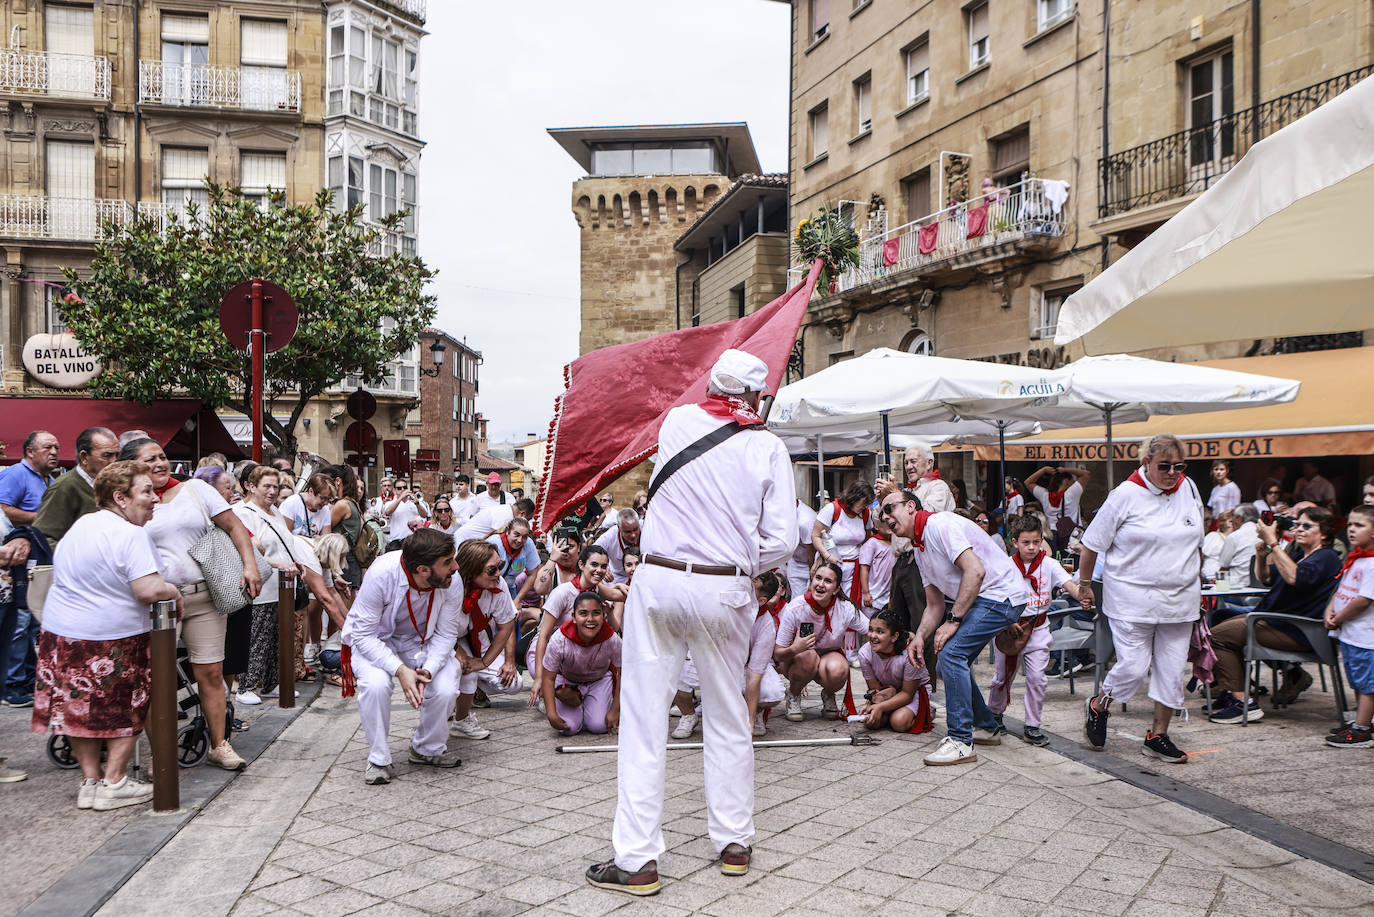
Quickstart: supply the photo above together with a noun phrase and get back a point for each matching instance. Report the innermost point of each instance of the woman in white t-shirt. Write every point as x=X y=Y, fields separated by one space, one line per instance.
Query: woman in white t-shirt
x=273 y=539
x=94 y=669
x=183 y=515
x=1061 y=501
x=840 y=529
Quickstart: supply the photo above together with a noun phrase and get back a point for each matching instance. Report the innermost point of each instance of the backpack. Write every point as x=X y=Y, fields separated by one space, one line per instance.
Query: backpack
x=367 y=546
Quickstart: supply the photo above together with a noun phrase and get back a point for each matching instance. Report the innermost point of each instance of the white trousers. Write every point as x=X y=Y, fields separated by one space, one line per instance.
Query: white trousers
x=489 y=680
x=1154 y=651
x=771 y=687
x=375 y=688
x=1032 y=661
x=670 y=612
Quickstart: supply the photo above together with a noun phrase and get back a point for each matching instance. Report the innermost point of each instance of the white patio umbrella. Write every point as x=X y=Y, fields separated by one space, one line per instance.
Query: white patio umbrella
x=1279 y=246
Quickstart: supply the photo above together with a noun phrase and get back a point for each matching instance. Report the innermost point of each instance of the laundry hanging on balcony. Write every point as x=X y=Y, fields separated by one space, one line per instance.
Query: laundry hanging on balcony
x=891 y=249
x=928 y=238
x=1056 y=192
x=977 y=221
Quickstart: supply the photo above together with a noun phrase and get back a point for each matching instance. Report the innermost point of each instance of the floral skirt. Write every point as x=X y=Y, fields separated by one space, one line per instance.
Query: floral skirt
x=91 y=689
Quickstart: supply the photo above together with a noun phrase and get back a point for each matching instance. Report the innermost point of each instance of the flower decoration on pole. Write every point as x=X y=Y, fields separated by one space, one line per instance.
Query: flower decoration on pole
x=827 y=235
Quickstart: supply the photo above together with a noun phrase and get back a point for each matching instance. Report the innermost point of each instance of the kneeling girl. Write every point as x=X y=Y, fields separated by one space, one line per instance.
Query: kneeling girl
x=898 y=691
x=581 y=687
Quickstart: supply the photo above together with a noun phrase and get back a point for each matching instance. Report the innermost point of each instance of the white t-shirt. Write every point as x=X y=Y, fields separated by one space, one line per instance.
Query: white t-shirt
x=798 y=566
x=481 y=500
x=303 y=521
x=1068 y=506
x=463 y=507
x=178 y=525
x=1211 y=554
x=499 y=609
x=484 y=522
x=1358 y=581
x=276 y=541
x=1014 y=504
x=1049 y=576
x=844 y=615
x=398 y=523
x=877 y=555
x=848 y=532
x=90 y=597
x=946 y=536
x=1223 y=497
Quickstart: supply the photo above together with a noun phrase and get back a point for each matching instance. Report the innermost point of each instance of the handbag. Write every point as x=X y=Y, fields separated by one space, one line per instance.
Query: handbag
x=40 y=579
x=219 y=561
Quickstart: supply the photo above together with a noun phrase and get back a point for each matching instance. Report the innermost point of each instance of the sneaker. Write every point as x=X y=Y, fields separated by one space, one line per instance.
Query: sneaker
x=997 y=717
x=11 y=774
x=792 y=704
x=611 y=876
x=18 y=700
x=991 y=736
x=223 y=755
x=480 y=699
x=127 y=792
x=1233 y=712
x=1034 y=736
x=1095 y=725
x=273 y=692
x=239 y=725
x=686 y=726
x=1295 y=681
x=377 y=774
x=85 y=793
x=1352 y=736
x=468 y=728
x=1333 y=731
x=1163 y=748
x=311 y=654
x=830 y=706
x=247 y=698
x=951 y=751
x=734 y=859
x=1073 y=669
x=1052 y=668
x=445 y=758
x=760 y=728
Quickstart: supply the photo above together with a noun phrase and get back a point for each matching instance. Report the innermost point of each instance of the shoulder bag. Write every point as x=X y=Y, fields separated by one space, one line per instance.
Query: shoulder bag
x=219 y=561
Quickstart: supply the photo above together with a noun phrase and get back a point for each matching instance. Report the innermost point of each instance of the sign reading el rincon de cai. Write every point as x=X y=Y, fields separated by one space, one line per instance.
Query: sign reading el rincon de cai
x=1281 y=444
x=59 y=360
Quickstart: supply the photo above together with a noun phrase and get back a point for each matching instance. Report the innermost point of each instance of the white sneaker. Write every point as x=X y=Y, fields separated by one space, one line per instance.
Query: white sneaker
x=247 y=698
x=468 y=728
x=127 y=792
x=759 y=727
x=11 y=774
x=986 y=736
x=85 y=794
x=377 y=774
x=311 y=654
x=792 y=704
x=830 y=706
x=686 y=726
x=951 y=751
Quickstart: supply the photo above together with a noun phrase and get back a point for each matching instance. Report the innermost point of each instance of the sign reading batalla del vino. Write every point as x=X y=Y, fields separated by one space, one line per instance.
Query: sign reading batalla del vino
x=60 y=361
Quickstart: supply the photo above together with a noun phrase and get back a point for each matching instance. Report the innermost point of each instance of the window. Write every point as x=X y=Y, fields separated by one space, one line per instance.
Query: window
x=455 y=407
x=381 y=199
x=260 y=171
x=976 y=19
x=841 y=356
x=1211 y=103
x=263 y=44
x=819 y=120
x=357 y=58
x=355 y=181
x=820 y=19
x=1052 y=12
x=918 y=342
x=185 y=59
x=918 y=73
x=741 y=304
x=1045 y=314
x=69 y=30
x=1011 y=156
x=916 y=193
x=863 y=104
x=456 y=363
x=336 y=69
x=683 y=158
x=412 y=91
x=55 y=323
x=183 y=176
x=453 y=450
x=409 y=201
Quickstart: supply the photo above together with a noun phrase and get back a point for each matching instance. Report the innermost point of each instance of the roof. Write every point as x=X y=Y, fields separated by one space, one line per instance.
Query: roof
x=725 y=208
x=449 y=339
x=488 y=462
x=733 y=136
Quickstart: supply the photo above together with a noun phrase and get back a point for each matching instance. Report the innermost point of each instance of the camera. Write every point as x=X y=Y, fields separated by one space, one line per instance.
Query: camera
x=1280 y=523
x=806 y=628
x=566 y=533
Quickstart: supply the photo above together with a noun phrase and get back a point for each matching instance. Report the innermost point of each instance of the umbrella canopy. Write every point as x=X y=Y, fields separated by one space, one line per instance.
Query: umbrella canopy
x=1273 y=249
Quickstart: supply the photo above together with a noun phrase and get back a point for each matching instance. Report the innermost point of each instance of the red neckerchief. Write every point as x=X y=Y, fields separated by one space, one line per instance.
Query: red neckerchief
x=726 y=407
x=1013 y=493
x=171 y=482
x=932 y=475
x=823 y=612
x=918 y=528
x=510 y=556
x=1137 y=478
x=881 y=537
x=569 y=630
x=773 y=608
x=473 y=609
x=1035 y=565
x=410 y=581
x=841 y=508
x=1353 y=556
x=577 y=582
x=1057 y=497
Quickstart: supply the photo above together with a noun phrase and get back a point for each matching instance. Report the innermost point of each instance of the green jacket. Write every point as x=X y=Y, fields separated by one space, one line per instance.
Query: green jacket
x=64 y=502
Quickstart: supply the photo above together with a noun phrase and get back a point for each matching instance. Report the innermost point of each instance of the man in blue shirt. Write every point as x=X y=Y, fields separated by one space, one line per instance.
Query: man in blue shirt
x=21 y=492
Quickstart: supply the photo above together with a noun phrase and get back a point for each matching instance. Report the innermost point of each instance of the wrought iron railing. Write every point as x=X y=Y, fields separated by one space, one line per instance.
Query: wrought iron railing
x=1192 y=160
x=71 y=218
x=413 y=8
x=200 y=86
x=51 y=74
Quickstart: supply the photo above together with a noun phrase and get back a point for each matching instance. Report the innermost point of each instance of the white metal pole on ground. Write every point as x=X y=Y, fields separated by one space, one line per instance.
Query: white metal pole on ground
x=767 y=743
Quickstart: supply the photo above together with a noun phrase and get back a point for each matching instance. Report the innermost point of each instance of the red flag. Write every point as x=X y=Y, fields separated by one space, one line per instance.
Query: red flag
x=891 y=251
x=636 y=384
x=928 y=238
x=977 y=221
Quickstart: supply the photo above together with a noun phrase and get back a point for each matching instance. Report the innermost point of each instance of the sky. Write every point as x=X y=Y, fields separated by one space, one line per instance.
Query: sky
x=495 y=190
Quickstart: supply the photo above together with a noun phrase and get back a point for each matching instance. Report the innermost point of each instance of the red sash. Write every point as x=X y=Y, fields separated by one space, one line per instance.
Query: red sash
x=349 y=684
x=1137 y=478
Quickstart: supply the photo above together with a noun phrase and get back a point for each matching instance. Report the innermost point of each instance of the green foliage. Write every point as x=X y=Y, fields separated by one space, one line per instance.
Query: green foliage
x=150 y=307
x=829 y=237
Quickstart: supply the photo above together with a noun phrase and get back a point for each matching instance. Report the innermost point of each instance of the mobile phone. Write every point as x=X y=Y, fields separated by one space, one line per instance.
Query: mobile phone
x=806 y=628
x=1267 y=517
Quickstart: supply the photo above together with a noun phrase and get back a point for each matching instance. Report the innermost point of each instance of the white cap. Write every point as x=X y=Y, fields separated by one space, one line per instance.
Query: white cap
x=737 y=372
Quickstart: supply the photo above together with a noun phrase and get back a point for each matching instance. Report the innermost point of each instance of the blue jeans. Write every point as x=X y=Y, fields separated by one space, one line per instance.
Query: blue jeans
x=23 y=654
x=964 y=706
x=8 y=616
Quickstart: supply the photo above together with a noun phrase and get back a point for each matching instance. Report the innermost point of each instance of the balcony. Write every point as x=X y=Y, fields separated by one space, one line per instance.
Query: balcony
x=415 y=9
x=43 y=73
x=1190 y=161
x=266 y=89
x=402 y=379
x=59 y=218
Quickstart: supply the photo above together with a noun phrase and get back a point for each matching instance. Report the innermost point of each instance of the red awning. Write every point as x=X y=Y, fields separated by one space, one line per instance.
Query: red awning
x=165 y=421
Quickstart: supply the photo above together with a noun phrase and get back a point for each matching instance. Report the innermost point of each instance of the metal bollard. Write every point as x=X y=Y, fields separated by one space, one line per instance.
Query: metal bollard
x=162 y=715
x=286 y=641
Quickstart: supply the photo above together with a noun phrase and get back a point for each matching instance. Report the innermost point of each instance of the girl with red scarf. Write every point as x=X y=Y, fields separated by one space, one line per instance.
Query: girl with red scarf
x=840 y=529
x=593 y=566
x=810 y=642
x=487 y=653
x=898 y=689
x=584 y=659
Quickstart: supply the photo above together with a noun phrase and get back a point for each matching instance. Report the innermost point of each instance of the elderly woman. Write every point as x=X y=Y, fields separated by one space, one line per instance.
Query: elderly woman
x=840 y=529
x=1149 y=535
x=93 y=657
x=273 y=539
x=182 y=516
x=1300 y=586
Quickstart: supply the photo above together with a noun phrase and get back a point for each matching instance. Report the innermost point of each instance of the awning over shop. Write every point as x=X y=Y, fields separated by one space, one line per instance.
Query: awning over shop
x=1329 y=417
x=185 y=428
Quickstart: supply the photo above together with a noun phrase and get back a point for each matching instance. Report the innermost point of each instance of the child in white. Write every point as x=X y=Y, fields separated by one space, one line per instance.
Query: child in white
x=1350 y=615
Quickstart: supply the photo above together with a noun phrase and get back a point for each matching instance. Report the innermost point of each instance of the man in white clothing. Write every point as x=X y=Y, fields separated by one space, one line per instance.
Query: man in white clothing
x=624 y=535
x=724 y=513
x=398 y=511
x=492 y=496
x=493 y=519
x=403 y=626
x=461 y=500
x=923 y=478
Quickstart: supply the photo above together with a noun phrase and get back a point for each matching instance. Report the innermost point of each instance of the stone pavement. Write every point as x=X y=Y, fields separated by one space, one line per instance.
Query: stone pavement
x=840 y=830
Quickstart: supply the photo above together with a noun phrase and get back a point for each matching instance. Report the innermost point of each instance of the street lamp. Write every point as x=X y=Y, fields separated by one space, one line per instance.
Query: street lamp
x=436 y=351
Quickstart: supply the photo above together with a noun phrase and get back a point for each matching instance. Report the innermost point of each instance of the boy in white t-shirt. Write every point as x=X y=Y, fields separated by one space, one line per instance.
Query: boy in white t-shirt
x=1351 y=618
x=1044 y=575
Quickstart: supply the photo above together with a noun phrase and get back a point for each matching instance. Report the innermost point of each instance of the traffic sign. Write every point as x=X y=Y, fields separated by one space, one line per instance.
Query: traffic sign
x=279 y=316
x=360 y=436
x=362 y=404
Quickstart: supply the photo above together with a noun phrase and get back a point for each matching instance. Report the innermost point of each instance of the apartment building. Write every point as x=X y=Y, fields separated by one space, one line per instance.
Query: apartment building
x=442 y=428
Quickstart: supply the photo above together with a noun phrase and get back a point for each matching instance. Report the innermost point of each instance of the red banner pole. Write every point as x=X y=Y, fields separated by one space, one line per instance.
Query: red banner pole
x=257 y=338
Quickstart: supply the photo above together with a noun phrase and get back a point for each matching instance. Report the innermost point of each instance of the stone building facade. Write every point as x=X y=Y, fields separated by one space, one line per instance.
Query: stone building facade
x=445 y=421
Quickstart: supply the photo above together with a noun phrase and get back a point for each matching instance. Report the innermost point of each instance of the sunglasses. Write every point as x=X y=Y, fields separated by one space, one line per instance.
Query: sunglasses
x=491 y=569
x=886 y=508
x=1273 y=491
x=1304 y=526
x=1176 y=467
x=443 y=509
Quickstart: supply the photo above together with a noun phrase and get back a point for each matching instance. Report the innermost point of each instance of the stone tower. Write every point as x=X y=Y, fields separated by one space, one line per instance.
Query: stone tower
x=644 y=187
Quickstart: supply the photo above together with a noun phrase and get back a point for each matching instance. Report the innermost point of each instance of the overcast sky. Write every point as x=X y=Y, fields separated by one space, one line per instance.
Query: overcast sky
x=495 y=190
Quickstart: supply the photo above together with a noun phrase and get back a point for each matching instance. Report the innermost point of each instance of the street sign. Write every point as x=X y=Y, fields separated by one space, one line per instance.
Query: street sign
x=396 y=454
x=426 y=459
x=279 y=316
x=360 y=436
x=361 y=405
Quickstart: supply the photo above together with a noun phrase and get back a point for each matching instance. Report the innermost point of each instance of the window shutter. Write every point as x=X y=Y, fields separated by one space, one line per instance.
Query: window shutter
x=180 y=27
x=918 y=196
x=263 y=170
x=1012 y=152
x=185 y=165
x=70 y=169
x=69 y=29
x=918 y=59
x=264 y=43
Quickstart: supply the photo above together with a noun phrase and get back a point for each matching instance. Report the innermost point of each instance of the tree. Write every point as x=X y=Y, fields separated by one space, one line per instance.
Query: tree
x=150 y=306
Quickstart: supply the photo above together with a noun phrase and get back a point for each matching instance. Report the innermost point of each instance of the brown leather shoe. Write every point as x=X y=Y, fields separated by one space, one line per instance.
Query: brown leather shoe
x=734 y=859
x=610 y=876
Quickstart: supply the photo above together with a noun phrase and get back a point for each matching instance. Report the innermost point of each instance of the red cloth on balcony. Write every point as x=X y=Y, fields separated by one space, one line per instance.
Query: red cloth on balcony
x=891 y=249
x=928 y=238
x=977 y=221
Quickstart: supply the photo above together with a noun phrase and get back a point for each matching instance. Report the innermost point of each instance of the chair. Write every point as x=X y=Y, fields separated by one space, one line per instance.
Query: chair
x=1073 y=636
x=1323 y=653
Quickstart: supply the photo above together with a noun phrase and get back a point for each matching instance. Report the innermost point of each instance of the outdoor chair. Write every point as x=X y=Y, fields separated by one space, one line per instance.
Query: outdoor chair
x=1323 y=653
